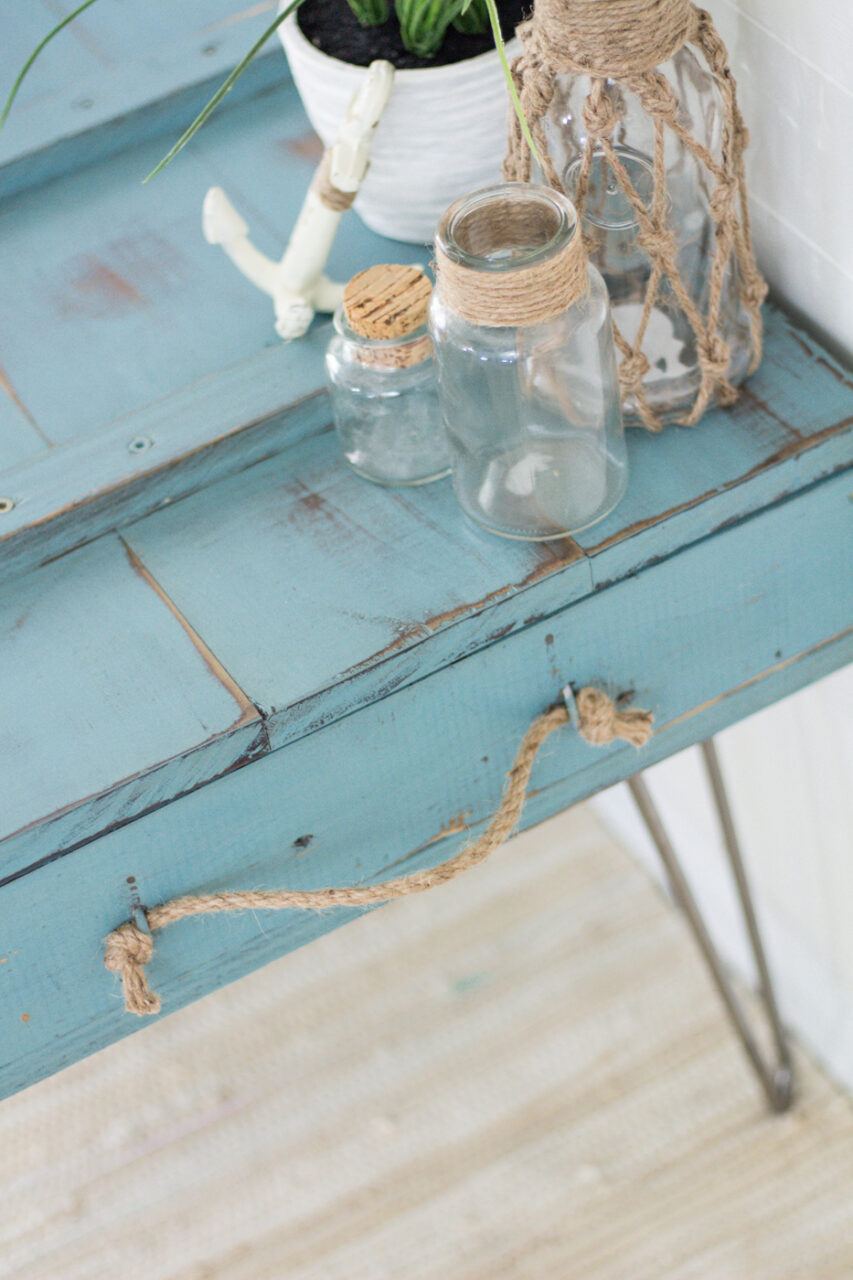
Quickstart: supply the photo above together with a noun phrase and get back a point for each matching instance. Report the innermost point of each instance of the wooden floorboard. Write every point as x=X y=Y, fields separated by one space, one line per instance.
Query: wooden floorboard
x=522 y=1075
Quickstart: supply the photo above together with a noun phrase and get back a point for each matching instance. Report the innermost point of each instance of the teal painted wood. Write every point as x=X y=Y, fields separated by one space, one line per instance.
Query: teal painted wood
x=106 y=314
x=704 y=637
x=20 y=438
x=120 y=75
x=68 y=496
x=320 y=593
x=109 y=706
x=409 y=586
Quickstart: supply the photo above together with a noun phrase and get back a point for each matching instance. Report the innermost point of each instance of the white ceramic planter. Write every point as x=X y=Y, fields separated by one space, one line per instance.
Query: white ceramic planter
x=443 y=132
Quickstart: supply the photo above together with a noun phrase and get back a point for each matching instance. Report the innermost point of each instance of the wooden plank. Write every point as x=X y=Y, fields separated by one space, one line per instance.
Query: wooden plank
x=220 y=426
x=105 y=314
x=110 y=297
x=349 y=563
x=20 y=437
x=119 y=75
x=110 y=705
x=704 y=638
x=792 y=425
x=323 y=591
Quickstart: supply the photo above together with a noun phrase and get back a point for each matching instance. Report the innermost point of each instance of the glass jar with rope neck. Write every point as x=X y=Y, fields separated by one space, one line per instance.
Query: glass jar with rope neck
x=642 y=131
x=526 y=365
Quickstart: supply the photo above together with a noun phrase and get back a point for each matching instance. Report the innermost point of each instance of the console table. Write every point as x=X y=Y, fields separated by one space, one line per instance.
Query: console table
x=227 y=662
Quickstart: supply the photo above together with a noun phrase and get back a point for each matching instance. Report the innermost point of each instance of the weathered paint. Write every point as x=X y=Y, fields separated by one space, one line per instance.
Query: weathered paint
x=703 y=637
x=118 y=76
x=280 y=674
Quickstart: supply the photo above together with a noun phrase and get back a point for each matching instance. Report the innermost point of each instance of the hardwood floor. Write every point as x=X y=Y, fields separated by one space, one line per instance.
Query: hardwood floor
x=521 y=1076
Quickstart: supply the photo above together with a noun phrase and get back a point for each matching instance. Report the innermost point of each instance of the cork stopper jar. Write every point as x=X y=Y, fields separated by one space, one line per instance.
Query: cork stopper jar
x=382 y=380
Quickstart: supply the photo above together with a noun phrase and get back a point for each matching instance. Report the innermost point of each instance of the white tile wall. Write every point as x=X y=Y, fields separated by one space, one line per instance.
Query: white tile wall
x=794 y=66
x=790 y=768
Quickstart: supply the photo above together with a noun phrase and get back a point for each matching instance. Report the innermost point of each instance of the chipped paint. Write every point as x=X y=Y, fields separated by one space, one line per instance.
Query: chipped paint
x=6 y=385
x=248 y=709
x=99 y=290
x=307 y=146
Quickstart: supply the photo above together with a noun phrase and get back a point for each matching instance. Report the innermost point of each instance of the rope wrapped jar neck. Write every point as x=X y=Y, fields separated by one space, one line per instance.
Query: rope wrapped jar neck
x=613 y=38
x=619 y=44
x=510 y=233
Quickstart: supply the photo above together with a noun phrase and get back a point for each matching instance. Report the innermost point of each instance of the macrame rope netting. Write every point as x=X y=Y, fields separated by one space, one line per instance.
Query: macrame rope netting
x=621 y=43
x=129 y=948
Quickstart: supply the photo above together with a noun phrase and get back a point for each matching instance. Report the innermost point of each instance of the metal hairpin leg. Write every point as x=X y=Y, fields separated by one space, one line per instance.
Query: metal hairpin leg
x=776 y=1079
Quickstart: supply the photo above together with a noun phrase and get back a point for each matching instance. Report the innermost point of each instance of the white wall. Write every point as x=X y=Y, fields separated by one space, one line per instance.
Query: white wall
x=789 y=768
x=793 y=62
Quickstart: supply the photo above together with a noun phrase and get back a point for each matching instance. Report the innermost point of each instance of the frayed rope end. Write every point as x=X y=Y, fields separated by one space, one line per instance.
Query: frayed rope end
x=127 y=951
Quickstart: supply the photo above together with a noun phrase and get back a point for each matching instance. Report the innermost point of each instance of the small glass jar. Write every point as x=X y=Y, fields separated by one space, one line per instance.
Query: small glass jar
x=385 y=405
x=526 y=365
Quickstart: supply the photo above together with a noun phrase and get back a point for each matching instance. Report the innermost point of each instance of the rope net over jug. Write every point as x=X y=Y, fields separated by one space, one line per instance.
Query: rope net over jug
x=634 y=114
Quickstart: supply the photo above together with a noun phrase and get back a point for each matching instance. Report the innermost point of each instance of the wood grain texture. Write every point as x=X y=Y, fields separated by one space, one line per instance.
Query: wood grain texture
x=704 y=638
x=116 y=317
x=320 y=593
x=120 y=75
x=151 y=332
x=524 y=1075
x=403 y=567
x=106 y=700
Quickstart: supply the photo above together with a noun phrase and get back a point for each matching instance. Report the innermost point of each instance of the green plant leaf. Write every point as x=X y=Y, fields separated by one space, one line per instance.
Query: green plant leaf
x=494 y=18
x=224 y=88
x=473 y=18
x=35 y=53
x=371 y=13
x=423 y=23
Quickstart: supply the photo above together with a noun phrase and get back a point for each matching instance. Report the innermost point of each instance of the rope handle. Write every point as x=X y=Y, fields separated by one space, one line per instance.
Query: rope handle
x=593 y=713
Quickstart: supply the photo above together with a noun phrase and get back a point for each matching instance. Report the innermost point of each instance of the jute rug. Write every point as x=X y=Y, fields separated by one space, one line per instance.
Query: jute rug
x=523 y=1075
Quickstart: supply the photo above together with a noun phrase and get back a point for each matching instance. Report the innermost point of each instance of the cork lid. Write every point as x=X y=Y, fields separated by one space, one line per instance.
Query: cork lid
x=387 y=301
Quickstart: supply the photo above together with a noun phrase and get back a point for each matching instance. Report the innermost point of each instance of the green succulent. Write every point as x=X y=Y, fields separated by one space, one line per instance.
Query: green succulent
x=371 y=13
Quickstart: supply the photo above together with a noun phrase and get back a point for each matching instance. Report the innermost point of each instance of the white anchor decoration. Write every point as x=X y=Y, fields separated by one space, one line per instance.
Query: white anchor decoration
x=297 y=283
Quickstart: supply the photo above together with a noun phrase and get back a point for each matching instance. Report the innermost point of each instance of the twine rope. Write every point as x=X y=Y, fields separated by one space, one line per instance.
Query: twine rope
x=618 y=45
x=326 y=191
x=522 y=295
x=130 y=947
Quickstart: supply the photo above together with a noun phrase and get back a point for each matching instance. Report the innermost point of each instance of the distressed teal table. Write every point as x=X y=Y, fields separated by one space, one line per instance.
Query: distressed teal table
x=227 y=662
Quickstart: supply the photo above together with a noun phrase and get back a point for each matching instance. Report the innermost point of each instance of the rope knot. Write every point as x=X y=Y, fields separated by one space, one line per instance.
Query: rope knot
x=129 y=947
x=656 y=94
x=601 y=721
x=659 y=242
x=127 y=951
x=714 y=356
x=723 y=198
x=600 y=112
x=633 y=369
x=755 y=292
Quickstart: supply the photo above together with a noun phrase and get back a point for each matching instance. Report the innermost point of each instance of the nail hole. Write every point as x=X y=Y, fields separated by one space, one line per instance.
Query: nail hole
x=209 y=49
x=6 y=504
x=139 y=444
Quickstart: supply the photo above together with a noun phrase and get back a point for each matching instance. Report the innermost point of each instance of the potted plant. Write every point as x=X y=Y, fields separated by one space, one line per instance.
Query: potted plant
x=444 y=130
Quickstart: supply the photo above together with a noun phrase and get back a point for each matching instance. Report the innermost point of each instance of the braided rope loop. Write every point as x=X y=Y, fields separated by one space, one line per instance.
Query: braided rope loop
x=129 y=948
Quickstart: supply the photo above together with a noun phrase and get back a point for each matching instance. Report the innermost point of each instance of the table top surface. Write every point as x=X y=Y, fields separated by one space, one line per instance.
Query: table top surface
x=285 y=594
